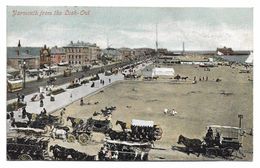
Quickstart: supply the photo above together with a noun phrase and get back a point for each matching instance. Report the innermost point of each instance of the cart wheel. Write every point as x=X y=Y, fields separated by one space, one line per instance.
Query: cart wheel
x=83 y=139
x=62 y=121
x=8 y=157
x=24 y=157
x=71 y=138
x=228 y=153
x=211 y=153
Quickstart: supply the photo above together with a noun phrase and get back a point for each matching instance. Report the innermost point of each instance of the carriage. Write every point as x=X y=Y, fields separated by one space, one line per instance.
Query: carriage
x=124 y=151
x=138 y=131
x=82 y=132
x=225 y=141
x=99 y=124
x=220 y=141
x=27 y=148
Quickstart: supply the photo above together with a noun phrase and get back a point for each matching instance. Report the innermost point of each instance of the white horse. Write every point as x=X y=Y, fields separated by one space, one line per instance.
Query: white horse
x=58 y=133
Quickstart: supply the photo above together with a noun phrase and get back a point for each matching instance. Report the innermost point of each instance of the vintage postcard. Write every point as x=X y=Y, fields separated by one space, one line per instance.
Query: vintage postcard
x=129 y=83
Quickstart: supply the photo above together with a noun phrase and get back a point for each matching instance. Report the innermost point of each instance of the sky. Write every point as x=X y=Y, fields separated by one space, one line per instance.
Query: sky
x=199 y=28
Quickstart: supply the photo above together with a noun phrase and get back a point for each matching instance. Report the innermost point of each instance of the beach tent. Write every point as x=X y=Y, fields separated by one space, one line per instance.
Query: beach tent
x=163 y=72
x=250 y=59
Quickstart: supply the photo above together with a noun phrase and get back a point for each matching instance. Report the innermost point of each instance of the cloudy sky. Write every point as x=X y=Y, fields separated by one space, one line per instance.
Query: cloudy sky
x=199 y=28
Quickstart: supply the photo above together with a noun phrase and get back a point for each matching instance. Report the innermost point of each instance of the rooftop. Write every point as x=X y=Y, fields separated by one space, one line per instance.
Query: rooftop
x=24 y=52
x=81 y=44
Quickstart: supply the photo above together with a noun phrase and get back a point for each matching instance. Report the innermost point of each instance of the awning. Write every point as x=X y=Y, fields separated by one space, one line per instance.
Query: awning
x=142 y=123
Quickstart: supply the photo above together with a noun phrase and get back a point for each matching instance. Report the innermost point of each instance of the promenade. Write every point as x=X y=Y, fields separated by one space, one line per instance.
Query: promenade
x=70 y=95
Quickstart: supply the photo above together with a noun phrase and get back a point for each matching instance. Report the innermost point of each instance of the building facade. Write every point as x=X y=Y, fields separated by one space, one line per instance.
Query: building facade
x=58 y=55
x=16 y=56
x=45 y=56
x=81 y=53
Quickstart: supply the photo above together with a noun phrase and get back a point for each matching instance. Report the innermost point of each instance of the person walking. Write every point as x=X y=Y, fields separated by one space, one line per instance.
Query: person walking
x=22 y=97
x=62 y=112
x=18 y=97
x=81 y=102
x=41 y=103
x=43 y=112
x=109 y=80
x=24 y=113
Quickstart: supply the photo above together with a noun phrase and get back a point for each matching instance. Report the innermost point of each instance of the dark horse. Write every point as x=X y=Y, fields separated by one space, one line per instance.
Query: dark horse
x=59 y=152
x=184 y=78
x=122 y=124
x=62 y=153
x=75 y=121
x=192 y=145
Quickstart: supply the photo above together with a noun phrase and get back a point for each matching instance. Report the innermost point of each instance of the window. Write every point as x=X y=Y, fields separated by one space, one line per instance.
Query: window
x=79 y=62
x=76 y=56
x=79 y=56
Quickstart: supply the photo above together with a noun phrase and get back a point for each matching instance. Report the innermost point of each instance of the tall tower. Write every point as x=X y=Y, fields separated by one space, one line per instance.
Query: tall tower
x=156 y=43
x=183 y=48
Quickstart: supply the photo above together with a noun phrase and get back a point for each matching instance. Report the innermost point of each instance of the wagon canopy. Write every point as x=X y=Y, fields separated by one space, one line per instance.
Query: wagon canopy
x=227 y=131
x=127 y=143
x=142 y=123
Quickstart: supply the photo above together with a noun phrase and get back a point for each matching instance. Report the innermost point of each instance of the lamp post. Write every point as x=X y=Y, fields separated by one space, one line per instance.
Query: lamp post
x=240 y=116
x=24 y=75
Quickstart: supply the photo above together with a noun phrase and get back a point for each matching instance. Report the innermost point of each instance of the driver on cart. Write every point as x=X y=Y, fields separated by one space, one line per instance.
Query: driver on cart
x=209 y=136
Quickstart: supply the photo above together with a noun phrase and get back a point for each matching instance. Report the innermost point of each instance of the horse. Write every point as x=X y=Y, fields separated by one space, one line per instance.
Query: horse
x=65 y=128
x=75 y=121
x=184 y=78
x=124 y=125
x=59 y=153
x=19 y=124
x=114 y=135
x=177 y=77
x=192 y=145
x=97 y=113
x=59 y=133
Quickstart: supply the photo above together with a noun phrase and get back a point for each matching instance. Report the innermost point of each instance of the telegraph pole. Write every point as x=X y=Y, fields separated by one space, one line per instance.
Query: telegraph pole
x=156 y=46
x=24 y=75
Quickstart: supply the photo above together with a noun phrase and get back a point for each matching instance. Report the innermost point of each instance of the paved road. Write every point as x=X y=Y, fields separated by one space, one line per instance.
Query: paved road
x=32 y=87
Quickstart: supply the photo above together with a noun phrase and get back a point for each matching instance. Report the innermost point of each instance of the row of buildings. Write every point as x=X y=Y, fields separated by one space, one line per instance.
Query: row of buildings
x=74 y=54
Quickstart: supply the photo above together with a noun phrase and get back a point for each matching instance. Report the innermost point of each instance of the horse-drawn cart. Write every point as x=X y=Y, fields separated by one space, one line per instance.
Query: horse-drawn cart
x=140 y=131
x=220 y=141
x=27 y=148
x=82 y=130
x=224 y=141
x=124 y=151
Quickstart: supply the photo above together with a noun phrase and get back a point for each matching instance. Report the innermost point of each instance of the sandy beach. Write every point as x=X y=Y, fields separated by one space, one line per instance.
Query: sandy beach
x=198 y=105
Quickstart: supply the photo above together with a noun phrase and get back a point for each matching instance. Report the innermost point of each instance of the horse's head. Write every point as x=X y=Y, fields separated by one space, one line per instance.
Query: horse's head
x=68 y=118
x=117 y=122
x=180 y=140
